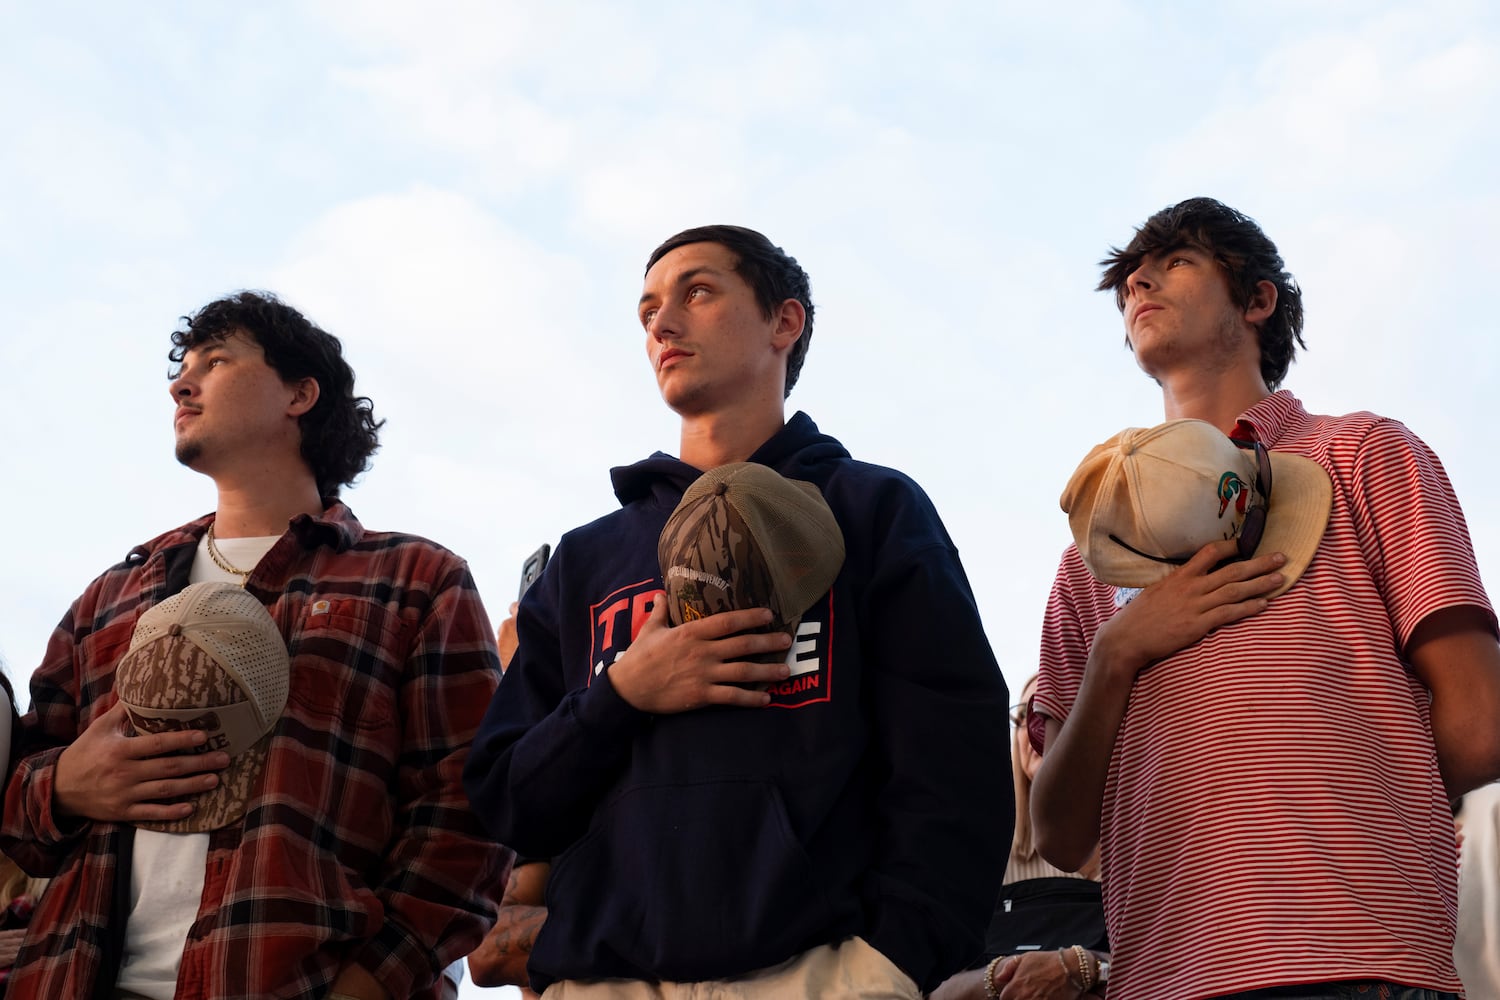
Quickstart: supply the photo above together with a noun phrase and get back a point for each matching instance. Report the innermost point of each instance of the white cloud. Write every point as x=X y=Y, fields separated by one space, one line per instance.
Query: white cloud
x=465 y=192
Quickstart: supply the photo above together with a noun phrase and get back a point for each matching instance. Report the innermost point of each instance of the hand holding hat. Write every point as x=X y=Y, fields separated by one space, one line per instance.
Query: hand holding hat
x=743 y=537
x=209 y=658
x=1143 y=502
x=743 y=556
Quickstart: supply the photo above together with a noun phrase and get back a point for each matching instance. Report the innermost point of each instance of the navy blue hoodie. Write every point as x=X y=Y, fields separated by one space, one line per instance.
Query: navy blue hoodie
x=872 y=797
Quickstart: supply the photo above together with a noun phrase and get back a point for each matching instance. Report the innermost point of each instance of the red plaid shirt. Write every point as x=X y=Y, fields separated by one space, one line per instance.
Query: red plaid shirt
x=360 y=845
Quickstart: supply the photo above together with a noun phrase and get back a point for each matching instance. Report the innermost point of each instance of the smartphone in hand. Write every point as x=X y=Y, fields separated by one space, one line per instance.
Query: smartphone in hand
x=532 y=568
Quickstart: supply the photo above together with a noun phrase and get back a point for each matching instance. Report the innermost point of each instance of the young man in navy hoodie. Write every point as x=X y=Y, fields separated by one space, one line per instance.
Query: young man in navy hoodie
x=834 y=823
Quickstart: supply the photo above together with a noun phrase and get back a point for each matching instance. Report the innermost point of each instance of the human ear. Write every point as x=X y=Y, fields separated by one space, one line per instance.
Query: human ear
x=1262 y=303
x=790 y=317
x=305 y=394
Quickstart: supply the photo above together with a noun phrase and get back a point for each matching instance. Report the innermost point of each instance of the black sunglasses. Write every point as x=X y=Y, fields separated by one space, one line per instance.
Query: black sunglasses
x=1254 y=525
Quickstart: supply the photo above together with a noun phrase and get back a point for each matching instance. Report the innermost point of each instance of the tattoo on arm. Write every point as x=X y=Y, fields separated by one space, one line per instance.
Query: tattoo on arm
x=501 y=958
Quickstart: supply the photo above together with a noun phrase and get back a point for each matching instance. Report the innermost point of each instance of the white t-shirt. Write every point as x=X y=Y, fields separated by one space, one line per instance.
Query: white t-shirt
x=166 y=869
x=1476 y=951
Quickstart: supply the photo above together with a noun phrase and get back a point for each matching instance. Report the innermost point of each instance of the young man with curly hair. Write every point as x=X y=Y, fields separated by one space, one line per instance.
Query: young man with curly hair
x=1268 y=773
x=355 y=869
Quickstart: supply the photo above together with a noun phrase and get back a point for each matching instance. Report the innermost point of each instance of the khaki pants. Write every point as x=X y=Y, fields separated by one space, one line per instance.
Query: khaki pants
x=849 y=970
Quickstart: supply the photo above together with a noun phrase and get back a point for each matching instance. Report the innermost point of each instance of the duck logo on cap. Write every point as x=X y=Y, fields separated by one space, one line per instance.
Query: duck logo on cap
x=1232 y=487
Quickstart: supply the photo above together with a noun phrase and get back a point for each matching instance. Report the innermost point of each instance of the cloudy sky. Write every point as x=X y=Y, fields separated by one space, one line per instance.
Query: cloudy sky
x=466 y=193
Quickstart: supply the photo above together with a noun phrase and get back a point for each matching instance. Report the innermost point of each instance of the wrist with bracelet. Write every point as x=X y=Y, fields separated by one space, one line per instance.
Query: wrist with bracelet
x=1085 y=967
x=991 y=992
x=1091 y=971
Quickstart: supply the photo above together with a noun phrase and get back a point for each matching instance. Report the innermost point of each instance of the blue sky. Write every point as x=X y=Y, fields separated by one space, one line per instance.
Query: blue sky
x=466 y=194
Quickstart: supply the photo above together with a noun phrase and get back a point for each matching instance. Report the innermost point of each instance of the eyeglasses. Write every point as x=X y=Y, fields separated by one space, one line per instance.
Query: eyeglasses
x=1018 y=714
x=1252 y=528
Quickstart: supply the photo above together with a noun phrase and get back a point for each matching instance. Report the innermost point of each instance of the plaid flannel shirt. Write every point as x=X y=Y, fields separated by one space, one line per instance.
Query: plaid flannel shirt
x=359 y=846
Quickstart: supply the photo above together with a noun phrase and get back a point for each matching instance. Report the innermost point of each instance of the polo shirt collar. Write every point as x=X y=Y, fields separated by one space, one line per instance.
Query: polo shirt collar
x=1272 y=419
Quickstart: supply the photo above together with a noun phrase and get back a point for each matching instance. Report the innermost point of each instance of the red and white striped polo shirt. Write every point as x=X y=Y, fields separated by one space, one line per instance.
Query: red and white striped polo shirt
x=1273 y=812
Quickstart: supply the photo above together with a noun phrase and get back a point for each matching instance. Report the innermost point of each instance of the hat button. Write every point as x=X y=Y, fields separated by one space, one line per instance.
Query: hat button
x=176 y=629
x=722 y=489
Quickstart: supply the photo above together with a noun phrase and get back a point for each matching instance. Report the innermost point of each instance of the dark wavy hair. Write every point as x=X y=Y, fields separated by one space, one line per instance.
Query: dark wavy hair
x=1245 y=254
x=770 y=271
x=340 y=432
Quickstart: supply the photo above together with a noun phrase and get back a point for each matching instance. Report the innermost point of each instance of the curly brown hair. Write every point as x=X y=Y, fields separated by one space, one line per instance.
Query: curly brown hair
x=340 y=432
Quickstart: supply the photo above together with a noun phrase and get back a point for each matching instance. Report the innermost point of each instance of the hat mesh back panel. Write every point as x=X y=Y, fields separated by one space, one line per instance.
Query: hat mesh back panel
x=258 y=661
x=157 y=621
x=241 y=635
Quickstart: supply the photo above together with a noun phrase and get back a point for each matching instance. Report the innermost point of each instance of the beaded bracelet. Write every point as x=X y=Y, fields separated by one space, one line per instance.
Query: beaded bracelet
x=1085 y=970
x=990 y=992
x=1062 y=959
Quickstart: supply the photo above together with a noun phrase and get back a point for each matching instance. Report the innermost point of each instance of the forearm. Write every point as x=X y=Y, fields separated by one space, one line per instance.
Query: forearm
x=1209 y=591
x=1068 y=794
x=500 y=960
x=34 y=834
x=1455 y=654
x=1468 y=751
x=1066 y=972
x=1085 y=969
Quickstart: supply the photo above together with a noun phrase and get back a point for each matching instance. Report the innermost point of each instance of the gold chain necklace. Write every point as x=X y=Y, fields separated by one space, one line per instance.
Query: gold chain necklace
x=221 y=562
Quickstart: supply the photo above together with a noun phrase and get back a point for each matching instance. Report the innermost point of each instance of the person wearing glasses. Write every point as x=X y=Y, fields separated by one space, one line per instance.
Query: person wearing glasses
x=1046 y=939
x=1267 y=774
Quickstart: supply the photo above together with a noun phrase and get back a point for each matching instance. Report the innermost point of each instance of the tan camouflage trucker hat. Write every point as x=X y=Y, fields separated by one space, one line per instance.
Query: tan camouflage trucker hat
x=209 y=658
x=745 y=537
x=1143 y=502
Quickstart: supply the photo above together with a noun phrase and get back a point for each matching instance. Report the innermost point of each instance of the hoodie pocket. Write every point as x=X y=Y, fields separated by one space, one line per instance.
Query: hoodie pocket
x=690 y=881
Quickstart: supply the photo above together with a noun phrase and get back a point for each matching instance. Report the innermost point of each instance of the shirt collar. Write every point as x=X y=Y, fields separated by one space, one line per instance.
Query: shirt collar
x=336 y=526
x=1271 y=419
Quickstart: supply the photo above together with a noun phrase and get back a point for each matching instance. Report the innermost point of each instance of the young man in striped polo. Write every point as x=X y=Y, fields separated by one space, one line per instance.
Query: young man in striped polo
x=1269 y=778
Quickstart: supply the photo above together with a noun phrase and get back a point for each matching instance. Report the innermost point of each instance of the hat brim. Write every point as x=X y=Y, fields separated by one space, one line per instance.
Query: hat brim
x=224 y=803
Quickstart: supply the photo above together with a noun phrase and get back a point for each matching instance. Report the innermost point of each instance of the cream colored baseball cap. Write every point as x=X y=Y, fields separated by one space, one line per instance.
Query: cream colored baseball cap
x=1143 y=502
